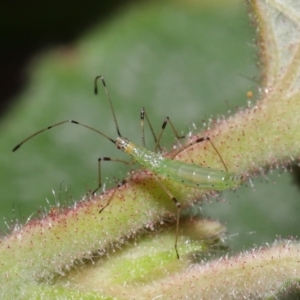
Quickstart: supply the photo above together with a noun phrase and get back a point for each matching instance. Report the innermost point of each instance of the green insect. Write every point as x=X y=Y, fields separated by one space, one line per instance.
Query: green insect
x=187 y=174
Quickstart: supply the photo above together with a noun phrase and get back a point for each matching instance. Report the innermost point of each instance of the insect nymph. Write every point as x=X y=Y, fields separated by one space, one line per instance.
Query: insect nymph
x=185 y=173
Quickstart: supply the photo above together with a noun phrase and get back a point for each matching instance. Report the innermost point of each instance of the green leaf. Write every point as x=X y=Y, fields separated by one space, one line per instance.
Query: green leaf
x=151 y=56
x=165 y=58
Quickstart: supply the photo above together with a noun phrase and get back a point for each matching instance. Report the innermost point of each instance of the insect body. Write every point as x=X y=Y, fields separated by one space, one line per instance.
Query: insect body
x=186 y=173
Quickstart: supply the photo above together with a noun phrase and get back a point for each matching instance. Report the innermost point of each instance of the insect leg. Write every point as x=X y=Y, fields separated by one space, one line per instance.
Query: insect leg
x=109 y=100
x=104 y=158
x=144 y=116
x=199 y=140
x=167 y=120
x=178 y=206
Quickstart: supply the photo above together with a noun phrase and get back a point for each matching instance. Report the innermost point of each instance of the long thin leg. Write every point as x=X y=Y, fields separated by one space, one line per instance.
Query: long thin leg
x=144 y=116
x=178 y=205
x=167 y=120
x=105 y=158
x=199 y=140
x=157 y=146
x=111 y=197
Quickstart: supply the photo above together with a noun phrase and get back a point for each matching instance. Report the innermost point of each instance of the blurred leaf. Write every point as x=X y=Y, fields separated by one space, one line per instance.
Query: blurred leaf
x=167 y=58
x=163 y=47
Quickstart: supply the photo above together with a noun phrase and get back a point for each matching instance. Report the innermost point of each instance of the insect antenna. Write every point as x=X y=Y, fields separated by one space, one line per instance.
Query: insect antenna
x=60 y=123
x=109 y=100
x=79 y=123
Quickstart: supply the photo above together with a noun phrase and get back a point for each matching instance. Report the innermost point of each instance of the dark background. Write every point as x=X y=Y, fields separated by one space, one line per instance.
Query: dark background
x=32 y=26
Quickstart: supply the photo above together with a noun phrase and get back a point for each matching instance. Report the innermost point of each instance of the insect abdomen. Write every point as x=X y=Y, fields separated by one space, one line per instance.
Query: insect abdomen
x=199 y=176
